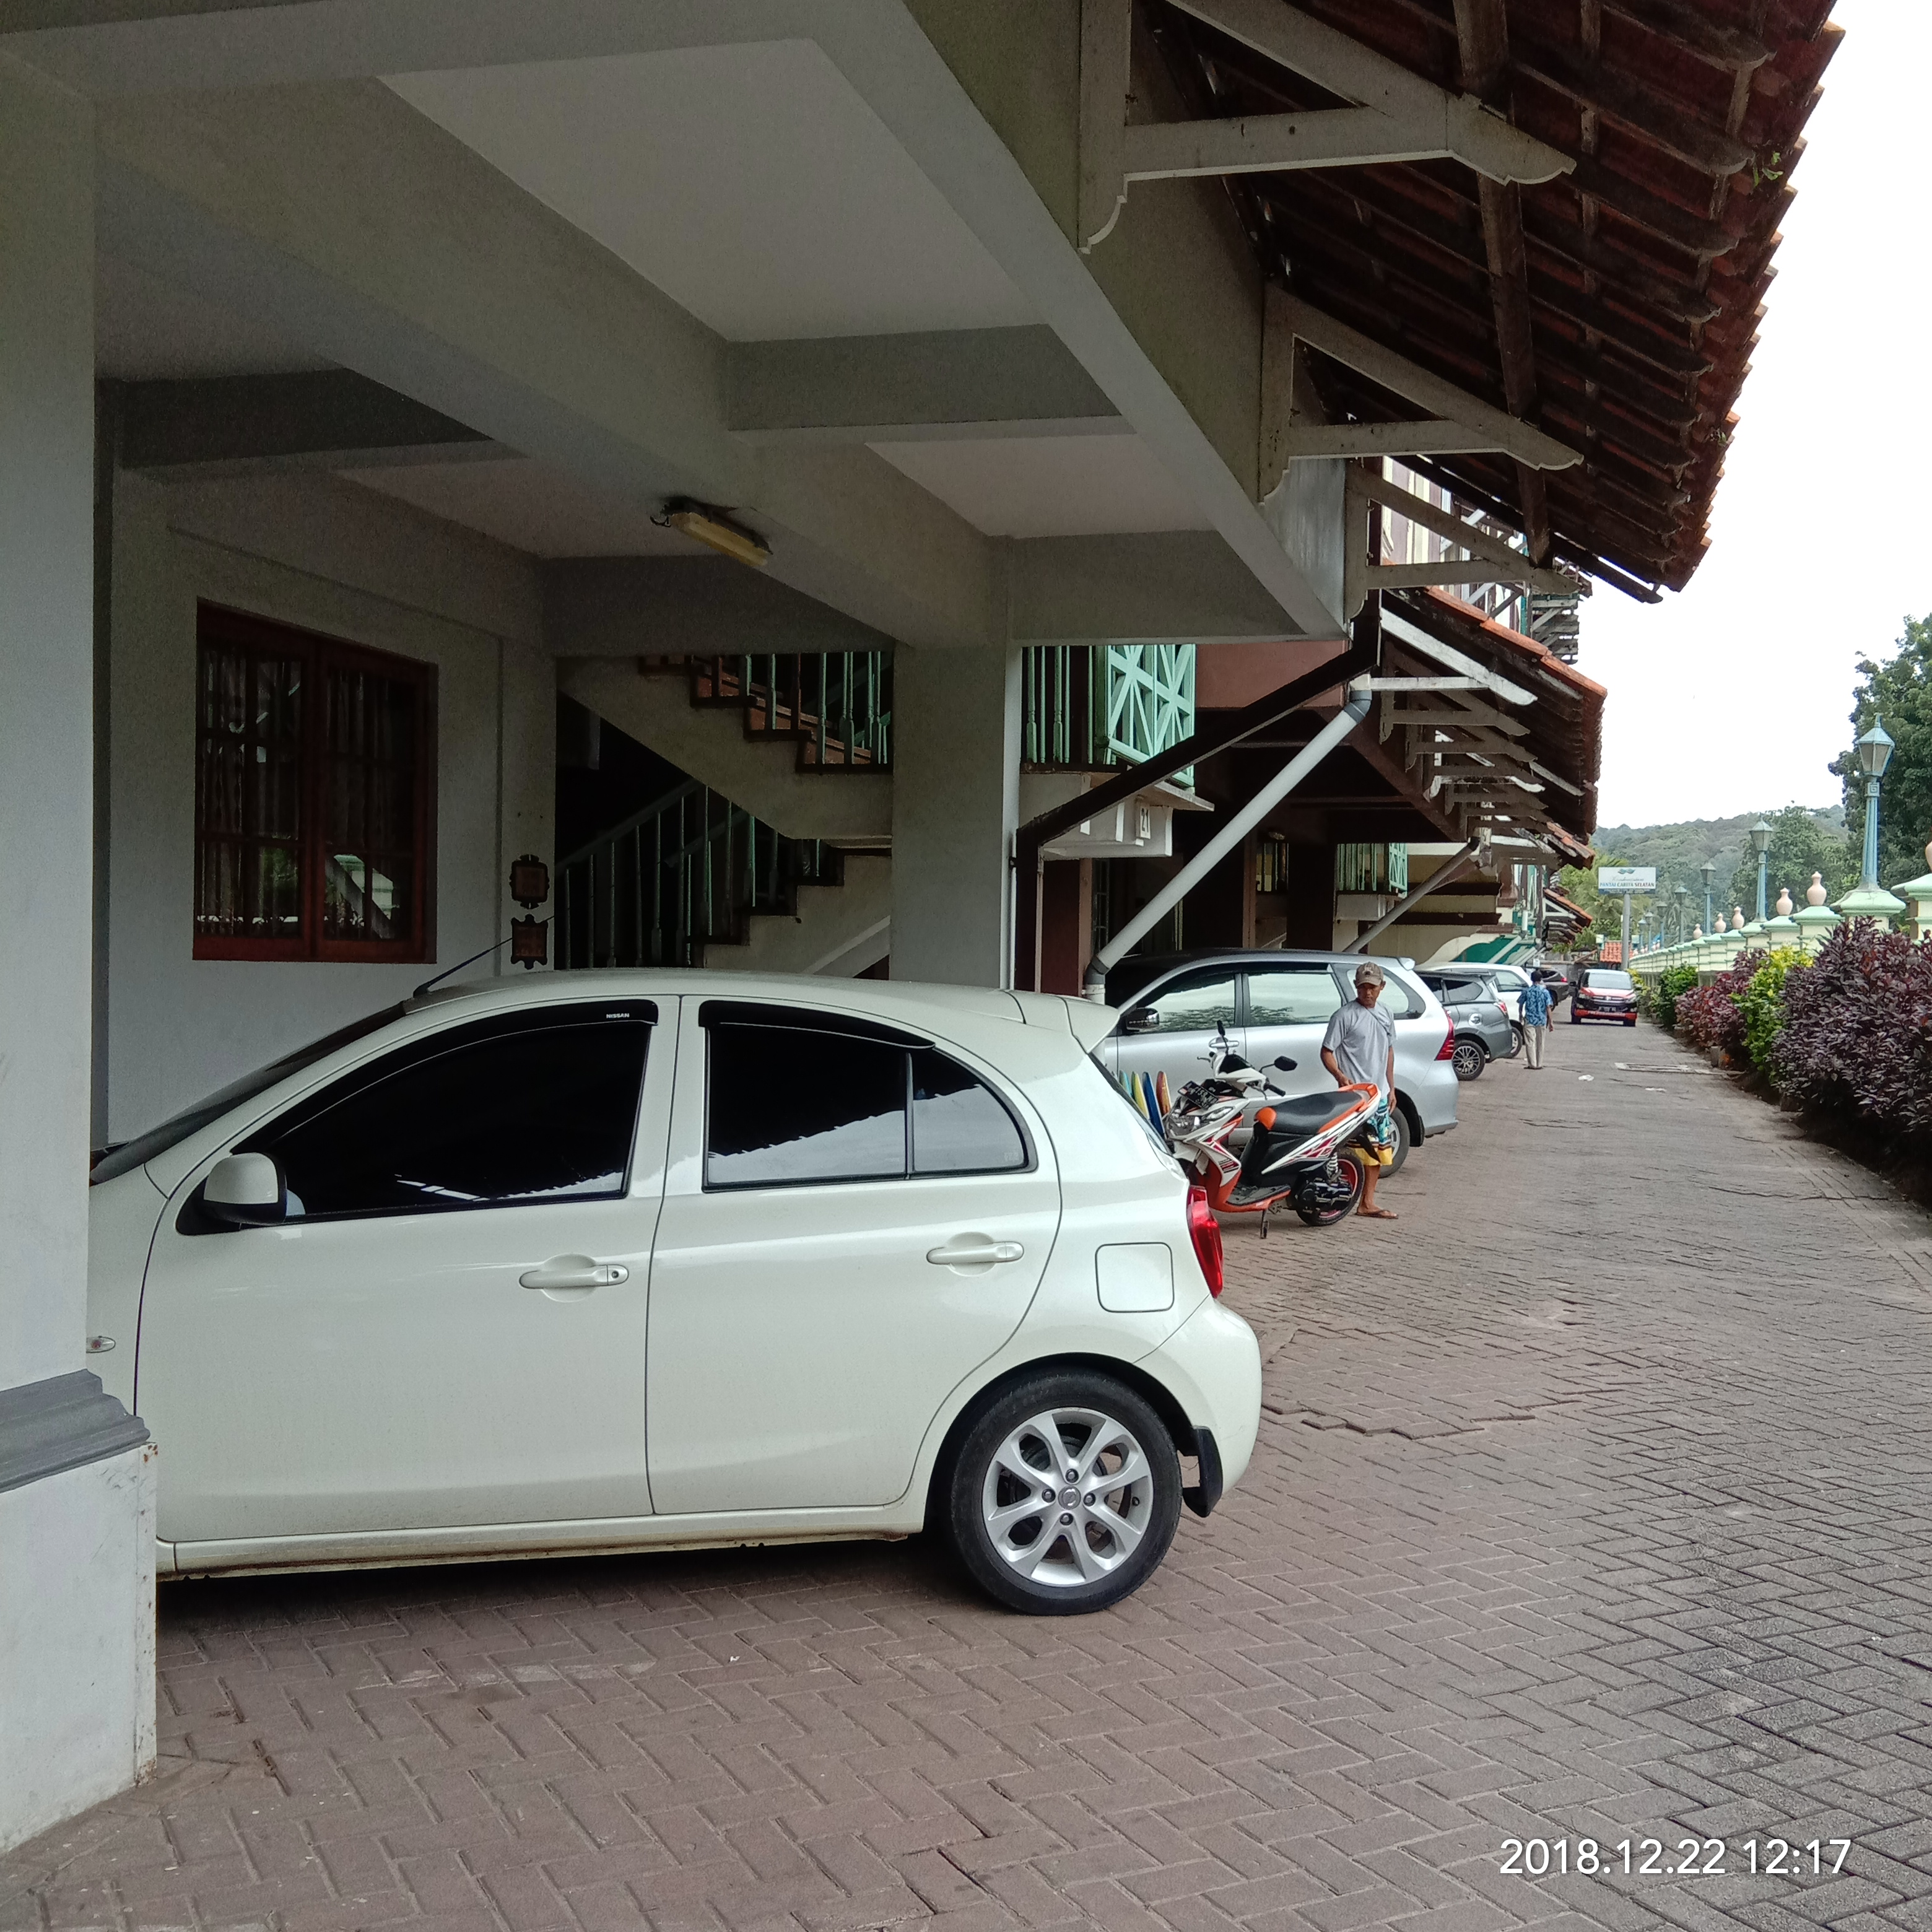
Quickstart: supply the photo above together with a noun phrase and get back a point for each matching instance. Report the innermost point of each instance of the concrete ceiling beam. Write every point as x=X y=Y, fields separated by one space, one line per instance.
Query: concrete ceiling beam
x=985 y=102
x=943 y=385
x=321 y=418
x=470 y=296
x=1161 y=587
x=632 y=607
x=1167 y=587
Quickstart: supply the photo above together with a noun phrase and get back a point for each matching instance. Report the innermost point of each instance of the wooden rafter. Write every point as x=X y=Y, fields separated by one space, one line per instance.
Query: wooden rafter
x=1482 y=34
x=1646 y=265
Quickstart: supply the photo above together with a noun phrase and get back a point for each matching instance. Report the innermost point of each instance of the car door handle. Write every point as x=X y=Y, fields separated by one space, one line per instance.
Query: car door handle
x=575 y=1271
x=974 y=1251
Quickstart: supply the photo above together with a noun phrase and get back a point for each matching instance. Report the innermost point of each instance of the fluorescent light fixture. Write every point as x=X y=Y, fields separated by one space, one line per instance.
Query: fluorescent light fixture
x=704 y=524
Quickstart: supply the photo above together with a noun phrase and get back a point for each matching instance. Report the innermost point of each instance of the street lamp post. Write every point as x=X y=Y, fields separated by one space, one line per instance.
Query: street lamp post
x=1709 y=869
x=1868 y=899
x=1760 y=839
x=1874 y=750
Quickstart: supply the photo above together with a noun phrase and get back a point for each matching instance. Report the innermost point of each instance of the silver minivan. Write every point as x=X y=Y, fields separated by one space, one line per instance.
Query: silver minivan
x=1277 y=1005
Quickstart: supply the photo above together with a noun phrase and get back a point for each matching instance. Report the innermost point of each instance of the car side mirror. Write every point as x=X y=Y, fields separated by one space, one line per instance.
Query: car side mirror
x=245 y=1190
x=1140 y=1019
x=1286 y=1065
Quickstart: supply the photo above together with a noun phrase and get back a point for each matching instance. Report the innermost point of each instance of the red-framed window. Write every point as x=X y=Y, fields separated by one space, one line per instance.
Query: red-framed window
x=315 y=790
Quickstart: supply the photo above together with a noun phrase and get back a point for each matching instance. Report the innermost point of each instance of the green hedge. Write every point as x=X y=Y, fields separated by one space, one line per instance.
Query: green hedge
x=1763 y=1003
x=1669 y=984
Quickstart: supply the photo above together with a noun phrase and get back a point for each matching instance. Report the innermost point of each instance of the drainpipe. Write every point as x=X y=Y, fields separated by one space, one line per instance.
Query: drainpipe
x=1453 y=868
x=1230 y=835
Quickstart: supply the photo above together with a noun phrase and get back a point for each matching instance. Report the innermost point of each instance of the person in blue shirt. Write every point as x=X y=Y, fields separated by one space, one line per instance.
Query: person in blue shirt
x=1536 y=1006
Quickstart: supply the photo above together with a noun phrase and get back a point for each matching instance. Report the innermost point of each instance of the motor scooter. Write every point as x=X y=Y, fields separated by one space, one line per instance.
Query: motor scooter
x=1309 y=1152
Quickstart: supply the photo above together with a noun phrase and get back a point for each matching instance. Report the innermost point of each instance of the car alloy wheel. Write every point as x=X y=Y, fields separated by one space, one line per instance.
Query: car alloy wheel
x=1065 y=1495
x=1468 y=1059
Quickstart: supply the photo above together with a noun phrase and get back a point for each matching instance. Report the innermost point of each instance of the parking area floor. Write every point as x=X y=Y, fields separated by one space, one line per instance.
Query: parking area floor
x=1593 y=1501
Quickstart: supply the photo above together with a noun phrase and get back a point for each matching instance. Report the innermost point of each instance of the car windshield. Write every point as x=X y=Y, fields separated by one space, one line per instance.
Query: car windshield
x=126 y=1154
x=1607 y=983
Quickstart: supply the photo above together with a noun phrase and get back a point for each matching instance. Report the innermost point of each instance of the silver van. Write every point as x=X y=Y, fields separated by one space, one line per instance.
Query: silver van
x=1274 y=1005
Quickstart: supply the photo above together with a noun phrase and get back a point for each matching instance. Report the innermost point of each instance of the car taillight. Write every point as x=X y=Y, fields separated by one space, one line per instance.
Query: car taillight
x=1447 y=1051
x=1206 y=1233
x=1502 y=1007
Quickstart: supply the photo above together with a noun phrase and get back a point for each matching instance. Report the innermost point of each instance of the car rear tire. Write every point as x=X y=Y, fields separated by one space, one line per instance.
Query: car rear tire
x=1468 y=1059
x=1064 y=1494
x=1405 y=1137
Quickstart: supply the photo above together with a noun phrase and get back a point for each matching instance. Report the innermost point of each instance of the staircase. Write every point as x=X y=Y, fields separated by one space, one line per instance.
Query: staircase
x=836 y=706
x=801 y=741
x=756 y=863
x=694 y=879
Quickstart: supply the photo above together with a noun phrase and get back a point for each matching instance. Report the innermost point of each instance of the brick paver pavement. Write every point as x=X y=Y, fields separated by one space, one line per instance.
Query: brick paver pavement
x=1591 y=1500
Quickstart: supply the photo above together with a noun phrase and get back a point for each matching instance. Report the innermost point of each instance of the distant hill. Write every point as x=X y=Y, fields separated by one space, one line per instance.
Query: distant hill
x=1678 y=850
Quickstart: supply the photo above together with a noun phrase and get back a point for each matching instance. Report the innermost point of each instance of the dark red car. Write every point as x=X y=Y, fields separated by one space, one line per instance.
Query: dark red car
x=1604 y=993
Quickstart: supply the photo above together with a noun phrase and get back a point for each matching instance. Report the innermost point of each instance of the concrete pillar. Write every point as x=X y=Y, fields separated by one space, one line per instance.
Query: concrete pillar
x=1066 y=924
x=76 y=1520
x=955 y=807
x=526 y=758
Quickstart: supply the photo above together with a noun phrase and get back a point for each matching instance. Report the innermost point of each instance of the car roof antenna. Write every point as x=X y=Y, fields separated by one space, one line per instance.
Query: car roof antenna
x=459 y=966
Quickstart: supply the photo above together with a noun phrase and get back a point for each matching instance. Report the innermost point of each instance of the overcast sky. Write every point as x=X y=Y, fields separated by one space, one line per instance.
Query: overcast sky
x=1733 y=697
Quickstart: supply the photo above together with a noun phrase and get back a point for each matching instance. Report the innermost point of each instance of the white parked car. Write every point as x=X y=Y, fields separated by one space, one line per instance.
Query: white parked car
x=622 y=1261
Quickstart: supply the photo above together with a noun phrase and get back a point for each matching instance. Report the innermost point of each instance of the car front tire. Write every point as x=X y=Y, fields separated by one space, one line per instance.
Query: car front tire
x=1064 y=1494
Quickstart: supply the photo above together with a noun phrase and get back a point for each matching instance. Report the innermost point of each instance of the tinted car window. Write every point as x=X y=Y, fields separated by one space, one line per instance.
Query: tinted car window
x=1197 y=1002
x=786 y=1105
x=1600 y=981
x=487 y=1118
x=144 y=1147
x=1290 y=995
x=959 y=1124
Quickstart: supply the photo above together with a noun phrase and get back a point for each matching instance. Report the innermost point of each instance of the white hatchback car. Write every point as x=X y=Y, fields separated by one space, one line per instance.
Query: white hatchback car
x=621 y=1260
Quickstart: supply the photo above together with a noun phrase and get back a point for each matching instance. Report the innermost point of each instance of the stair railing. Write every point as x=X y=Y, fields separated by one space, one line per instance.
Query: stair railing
x=1091 y=708
x=837 y=706
x=687 y=870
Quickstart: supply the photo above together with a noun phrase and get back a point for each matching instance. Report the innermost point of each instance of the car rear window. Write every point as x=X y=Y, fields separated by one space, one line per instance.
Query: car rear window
x=1600 y=981
x=845 y=1108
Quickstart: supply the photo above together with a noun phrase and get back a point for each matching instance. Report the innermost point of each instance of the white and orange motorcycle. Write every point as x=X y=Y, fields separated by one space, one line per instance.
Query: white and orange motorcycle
x=1309 y=1153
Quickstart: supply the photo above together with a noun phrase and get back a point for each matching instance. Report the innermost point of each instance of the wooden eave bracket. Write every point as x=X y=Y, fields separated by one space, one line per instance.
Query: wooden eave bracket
x=1399 y=115
x=1461 y=423
x=1489 y=560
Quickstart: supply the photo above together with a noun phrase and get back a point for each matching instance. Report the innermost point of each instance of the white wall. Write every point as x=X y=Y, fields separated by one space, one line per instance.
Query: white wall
x=310 y=550
x=77 y=1633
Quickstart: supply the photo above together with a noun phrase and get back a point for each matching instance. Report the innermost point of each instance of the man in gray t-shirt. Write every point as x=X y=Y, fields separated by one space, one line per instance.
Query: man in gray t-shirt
x=1358 y=1050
